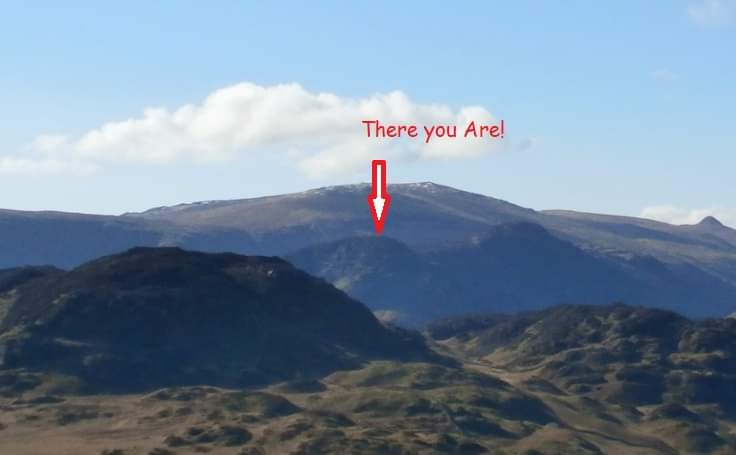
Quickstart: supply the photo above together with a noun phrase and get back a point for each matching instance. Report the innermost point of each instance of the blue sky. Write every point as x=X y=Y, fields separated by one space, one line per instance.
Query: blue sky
x=619 y=107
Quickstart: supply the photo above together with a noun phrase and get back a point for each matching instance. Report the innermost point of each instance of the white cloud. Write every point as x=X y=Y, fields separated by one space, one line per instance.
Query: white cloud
x=321 y=133
x=678 y=215
x=709 y=13
x=664 y=75
x=32 y=167
x=48 y=142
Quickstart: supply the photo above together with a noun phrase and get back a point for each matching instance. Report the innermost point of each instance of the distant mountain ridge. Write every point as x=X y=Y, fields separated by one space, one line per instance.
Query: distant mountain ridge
x=512 y=267
x=425 y=215
x=690 y=268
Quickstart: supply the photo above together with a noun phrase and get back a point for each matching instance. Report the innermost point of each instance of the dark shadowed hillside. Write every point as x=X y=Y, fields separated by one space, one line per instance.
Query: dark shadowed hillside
x=154 y=317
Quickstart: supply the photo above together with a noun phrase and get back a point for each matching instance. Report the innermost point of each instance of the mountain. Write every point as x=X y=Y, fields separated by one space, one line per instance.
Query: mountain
x=269 y=225
x=511 y=267
x=390 y=277
x=281 y=224
x=425 y=216
x=153 y=317
x=439 y=234
x=70 y=239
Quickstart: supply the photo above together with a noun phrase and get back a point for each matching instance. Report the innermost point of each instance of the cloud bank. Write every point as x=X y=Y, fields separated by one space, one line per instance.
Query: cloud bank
x=35 y=167
x=321 y=133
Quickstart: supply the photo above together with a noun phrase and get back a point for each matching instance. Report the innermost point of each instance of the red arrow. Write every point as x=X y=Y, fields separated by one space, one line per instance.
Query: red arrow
x=379 y=199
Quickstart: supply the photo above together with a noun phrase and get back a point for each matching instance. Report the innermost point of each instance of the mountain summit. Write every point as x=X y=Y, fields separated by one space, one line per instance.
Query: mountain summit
x=711 y=221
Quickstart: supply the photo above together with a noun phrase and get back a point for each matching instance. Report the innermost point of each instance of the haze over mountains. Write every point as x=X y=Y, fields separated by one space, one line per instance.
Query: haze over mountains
x=501 y=256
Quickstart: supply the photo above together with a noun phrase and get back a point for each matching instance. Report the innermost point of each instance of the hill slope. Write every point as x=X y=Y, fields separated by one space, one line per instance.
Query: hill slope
x=586 y=380
x=674 y=377
x=154 y=317
x=511 y=267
